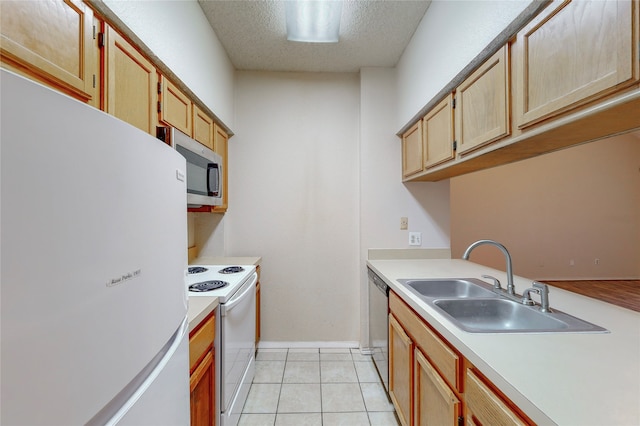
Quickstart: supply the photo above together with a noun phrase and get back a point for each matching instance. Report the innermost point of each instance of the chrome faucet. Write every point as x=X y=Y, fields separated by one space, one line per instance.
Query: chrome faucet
x=511 y=289
x=542 y=290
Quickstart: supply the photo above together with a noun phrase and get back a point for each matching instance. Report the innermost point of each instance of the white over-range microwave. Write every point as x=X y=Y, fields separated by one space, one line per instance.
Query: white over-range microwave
x=204 y=168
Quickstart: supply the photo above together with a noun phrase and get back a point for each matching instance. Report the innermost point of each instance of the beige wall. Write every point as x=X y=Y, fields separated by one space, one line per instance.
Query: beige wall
x=575 y=205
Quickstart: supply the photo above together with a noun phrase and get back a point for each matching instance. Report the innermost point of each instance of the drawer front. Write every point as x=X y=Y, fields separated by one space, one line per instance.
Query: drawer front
x=440 y=354
x=201 y=340
x=485 y=406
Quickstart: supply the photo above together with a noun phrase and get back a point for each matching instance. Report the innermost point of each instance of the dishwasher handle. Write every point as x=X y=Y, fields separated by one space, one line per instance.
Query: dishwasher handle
x=237 y=298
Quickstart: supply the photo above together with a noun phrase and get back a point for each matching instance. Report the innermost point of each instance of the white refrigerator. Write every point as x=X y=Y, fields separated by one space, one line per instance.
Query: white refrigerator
x=93 y=259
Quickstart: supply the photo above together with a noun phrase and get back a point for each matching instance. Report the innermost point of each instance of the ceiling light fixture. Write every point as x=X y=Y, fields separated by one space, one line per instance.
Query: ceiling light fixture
x=313 y=21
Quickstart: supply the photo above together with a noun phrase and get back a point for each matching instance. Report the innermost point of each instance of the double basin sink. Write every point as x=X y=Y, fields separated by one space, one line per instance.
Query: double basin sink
x=473 y=306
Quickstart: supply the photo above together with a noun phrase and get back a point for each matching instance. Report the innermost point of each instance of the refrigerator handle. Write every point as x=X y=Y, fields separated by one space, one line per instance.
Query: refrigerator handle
x=237 y=299
x=115 y=409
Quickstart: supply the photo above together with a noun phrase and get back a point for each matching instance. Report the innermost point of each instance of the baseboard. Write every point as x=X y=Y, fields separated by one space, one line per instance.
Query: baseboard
x=308 y=345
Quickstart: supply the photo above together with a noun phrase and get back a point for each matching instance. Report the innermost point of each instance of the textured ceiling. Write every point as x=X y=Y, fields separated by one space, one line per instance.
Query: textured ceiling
x=373 y=33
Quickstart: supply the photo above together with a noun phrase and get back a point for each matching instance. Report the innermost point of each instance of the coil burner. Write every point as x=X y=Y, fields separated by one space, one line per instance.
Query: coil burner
x=208 y=285
x=231 y=270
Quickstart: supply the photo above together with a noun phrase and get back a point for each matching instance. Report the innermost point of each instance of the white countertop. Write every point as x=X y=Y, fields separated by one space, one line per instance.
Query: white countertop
x=563 y=378
x=199 y=308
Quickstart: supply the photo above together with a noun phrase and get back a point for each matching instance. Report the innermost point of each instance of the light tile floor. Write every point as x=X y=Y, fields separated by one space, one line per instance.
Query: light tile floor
x=316 y=387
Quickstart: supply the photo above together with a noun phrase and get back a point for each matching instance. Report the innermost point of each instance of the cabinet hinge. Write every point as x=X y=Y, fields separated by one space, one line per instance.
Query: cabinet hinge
x=460 y=421
x=453 y=106
x=100 y=40
x=159 y=88
x=159 y=106
x=455 y=145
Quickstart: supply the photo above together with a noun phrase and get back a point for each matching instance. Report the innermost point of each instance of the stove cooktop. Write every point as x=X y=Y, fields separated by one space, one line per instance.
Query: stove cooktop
x=221 y=281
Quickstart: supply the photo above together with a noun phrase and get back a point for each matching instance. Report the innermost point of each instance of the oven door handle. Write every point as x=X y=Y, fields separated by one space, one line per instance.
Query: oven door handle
x=237 y=299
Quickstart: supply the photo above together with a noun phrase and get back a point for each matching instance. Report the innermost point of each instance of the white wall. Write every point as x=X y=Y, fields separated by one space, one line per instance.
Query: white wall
x=180 y=35
x=383 y=196
x=293 y=199
x=450 y=35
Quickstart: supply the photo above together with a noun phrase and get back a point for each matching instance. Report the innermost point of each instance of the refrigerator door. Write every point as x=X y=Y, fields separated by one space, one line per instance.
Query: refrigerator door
x=93 y=258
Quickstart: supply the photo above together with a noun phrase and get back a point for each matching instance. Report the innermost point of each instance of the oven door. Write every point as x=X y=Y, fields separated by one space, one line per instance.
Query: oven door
x=238 y=334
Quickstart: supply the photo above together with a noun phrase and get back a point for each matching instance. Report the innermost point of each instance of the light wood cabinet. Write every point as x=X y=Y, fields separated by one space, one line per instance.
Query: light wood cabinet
x=130 y=84
x=574 y=52
x=412 y=158
x=484 y=406
x=427 y=382
x=175 y=108
x=221 y=147
x=482 y=113
x=52 y=42
x=202 y=369
x=437 y=130
x=203 y=127
x=400 y=371
x=435 y=403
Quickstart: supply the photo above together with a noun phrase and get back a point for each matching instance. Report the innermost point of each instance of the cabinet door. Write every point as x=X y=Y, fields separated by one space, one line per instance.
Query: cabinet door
x=130 y=84
x=482 y=104
x=400 y=371
x=175 y=107
x=412 y=150
x=203 y=127
x=51 y=41
x=220 y=146
x=435 y=403
x=203 y=388
x=484 y=407
x=437 y=130
x=574 y=52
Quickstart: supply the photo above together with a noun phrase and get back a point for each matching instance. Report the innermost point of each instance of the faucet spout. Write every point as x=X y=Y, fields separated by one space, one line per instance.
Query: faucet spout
x=510 y=287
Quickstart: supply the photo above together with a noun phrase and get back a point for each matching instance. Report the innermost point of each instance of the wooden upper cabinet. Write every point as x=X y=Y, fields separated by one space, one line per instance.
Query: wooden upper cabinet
x=221 y=147
x=412 y=150
x=482 y=113
x=437 y=130
x=175 y=107
x=575 y=52
x=203 y=127
x=51 y=41
x=130 y=84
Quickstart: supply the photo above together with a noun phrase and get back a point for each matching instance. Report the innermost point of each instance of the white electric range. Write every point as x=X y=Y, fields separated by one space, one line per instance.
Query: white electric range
x=235 y=288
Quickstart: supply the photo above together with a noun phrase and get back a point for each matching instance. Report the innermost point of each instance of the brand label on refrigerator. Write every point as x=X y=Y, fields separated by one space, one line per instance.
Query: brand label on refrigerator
x=124 y=277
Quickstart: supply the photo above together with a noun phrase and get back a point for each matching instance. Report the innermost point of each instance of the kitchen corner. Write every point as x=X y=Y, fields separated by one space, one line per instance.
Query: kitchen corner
x=560 y=378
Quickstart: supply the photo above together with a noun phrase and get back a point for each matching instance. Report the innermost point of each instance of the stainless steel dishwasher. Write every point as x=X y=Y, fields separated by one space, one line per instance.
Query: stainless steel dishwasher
x=379 y=325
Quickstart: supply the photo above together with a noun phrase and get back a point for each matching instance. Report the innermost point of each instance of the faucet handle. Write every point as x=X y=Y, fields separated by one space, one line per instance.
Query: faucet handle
x=496 y=282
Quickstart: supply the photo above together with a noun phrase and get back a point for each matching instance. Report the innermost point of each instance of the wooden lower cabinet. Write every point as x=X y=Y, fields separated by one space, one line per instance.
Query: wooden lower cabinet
x=435 y=402
x=400 y=366
x=202 y=367
x=430 y=383
x=484 y=406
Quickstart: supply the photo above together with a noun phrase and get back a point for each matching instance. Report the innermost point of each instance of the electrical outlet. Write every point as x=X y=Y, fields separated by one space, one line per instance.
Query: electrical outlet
x=415 y=238
x=596 y=261
x=404 y=223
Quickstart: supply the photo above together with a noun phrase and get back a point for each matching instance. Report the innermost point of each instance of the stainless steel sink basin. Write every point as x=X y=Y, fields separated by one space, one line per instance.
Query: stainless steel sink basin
x=499 y=315
x=445 y=288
